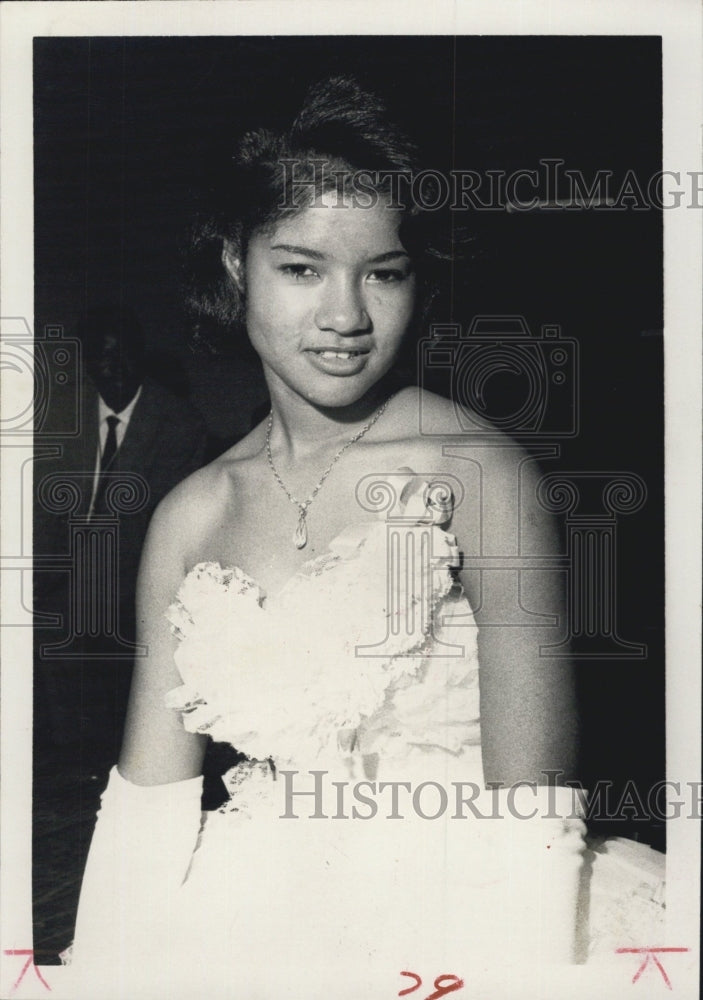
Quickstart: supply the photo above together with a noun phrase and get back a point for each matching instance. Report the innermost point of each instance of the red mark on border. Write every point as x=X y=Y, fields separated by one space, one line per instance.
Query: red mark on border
x=444 y=984
x=30 y=961
x=650 y=954
x=411 y=989
x=454 y=984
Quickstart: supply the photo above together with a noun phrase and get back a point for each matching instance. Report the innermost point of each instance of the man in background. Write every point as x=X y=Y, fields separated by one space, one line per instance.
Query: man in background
x=136 y=441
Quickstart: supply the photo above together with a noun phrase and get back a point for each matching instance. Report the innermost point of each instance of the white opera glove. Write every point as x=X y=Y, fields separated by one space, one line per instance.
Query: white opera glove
x=139 y=856
x=544 y=830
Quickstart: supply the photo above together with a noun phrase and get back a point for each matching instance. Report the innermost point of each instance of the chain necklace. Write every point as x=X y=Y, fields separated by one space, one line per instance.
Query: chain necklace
x=300 y=538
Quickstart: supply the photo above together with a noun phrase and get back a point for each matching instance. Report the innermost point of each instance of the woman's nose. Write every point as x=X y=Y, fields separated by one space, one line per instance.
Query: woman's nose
x=342 y=308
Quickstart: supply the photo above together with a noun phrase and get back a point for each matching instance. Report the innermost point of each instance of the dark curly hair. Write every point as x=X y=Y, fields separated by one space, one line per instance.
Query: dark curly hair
x=341 y=125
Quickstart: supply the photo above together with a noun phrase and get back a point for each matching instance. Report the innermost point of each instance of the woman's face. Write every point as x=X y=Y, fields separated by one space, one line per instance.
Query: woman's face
x=329 y=296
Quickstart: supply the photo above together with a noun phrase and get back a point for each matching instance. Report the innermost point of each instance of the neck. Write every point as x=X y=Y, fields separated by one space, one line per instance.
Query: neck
x=302 y=427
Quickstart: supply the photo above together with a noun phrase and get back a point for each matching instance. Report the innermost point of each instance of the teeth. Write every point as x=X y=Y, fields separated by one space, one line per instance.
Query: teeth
x=344 y=355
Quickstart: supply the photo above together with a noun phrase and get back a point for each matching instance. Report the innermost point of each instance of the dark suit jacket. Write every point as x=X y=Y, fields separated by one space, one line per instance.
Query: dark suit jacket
x=164 y=442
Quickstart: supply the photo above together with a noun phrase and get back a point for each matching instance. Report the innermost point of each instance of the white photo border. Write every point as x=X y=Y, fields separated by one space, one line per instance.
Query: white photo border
x=679 y=25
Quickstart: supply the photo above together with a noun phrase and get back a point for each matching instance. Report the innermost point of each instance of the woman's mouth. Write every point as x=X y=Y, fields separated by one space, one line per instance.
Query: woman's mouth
x=334 y=362
x=345 y=355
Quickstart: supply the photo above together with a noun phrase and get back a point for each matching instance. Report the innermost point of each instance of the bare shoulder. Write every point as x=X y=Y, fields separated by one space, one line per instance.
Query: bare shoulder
x=425 y=413
x=434 y=429
x=191 y=498
x=191 y=510
x=183 y=516
x=494 y=478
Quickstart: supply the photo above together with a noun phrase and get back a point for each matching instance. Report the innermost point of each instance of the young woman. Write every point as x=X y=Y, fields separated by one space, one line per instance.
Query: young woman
x=309 y=598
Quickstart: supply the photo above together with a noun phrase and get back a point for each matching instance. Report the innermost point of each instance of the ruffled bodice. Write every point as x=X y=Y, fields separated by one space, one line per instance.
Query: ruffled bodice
x=369 y=648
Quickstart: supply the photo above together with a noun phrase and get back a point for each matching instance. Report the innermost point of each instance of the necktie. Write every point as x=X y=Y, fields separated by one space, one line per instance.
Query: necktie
x=106 y=459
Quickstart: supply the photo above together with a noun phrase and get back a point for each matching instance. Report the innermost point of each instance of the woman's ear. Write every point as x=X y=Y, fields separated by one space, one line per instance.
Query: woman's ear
x=233 y=264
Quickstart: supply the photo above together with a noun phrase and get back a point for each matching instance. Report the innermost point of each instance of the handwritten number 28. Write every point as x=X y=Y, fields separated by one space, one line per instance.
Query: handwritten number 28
x=442 y=985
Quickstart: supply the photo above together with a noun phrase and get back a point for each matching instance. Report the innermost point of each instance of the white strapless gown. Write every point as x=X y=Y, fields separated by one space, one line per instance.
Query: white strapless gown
x=336 y=685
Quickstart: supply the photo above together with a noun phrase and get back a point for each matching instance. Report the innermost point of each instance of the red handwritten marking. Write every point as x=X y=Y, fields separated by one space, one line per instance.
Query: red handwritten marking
x=441 y=988
x=649 y=953
x=441 y=991
x=30 y=961
x=411 y=989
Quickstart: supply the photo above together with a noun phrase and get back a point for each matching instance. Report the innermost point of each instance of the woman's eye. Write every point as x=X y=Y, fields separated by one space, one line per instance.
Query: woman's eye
x=387 y=276
x=299 y=271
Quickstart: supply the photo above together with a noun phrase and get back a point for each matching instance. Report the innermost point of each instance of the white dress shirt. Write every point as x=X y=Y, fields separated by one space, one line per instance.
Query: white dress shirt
x=124 y=416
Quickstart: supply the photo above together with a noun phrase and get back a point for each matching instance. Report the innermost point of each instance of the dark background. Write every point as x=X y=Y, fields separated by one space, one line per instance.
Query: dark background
x=127 y=132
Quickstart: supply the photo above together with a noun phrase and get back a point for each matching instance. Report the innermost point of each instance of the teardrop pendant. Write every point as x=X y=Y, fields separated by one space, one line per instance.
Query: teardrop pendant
x=300 y=538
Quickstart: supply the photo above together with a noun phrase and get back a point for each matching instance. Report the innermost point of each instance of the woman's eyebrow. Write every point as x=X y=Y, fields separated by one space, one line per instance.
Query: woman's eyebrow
x=317 y=255
x=304 y=251
x=390 y=255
